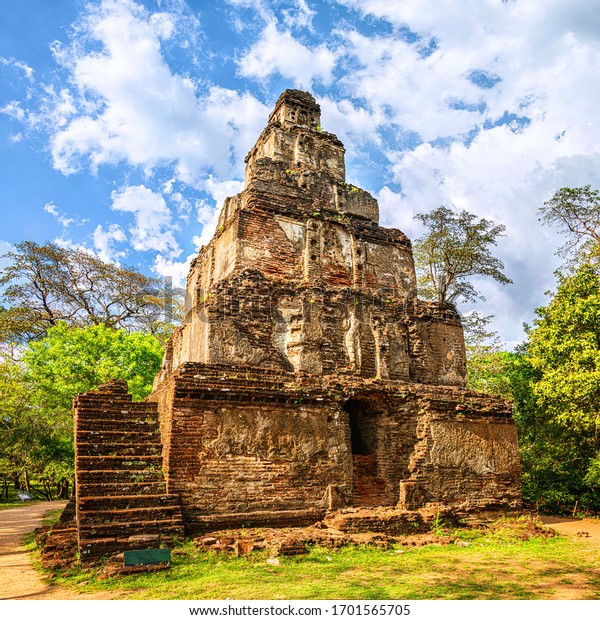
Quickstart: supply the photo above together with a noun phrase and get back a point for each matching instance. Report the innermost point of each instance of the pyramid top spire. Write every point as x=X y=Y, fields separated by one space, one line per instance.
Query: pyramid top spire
x=296 y=108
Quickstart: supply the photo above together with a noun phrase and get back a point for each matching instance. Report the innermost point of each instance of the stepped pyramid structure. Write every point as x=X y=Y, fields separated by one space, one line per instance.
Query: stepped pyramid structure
x=307 y=375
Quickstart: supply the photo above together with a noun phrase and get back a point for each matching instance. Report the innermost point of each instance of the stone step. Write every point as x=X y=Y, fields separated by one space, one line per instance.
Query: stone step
x=113 y=425
x=122 y=415
x=61 y=540
x=106 y=437
x=247 y=393
x=121 y=462
x=118 y=489
x=236 y=383
x=101 y=449
x=87 y=504
x=167 y=514
x=122 y=399
x=118 y=476
x=171 y=527
x=116 y=404
x=197 y=369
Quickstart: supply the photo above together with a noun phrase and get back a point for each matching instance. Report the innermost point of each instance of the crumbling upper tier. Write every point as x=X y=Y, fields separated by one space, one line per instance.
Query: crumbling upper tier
x=300 y=276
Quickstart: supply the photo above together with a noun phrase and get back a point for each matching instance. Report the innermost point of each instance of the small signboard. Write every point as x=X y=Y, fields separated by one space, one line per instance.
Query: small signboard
x=146 y=556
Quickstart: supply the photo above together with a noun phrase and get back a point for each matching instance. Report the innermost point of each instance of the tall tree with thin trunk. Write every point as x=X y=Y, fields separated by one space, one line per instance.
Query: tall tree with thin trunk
x=576 y=213
x=455 y=247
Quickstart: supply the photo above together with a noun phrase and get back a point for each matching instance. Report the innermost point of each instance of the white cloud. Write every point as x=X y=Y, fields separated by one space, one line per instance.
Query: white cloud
x=258 y=5
x=176 y=270
x=18 y=64
x=104 y=242
x=152 y=228
x=69 y=244
x=131 y=107
x=279 y=52
x=536 y=56
x=62 y=219
x=354 y=124
x=14 y=110
x=299 y=16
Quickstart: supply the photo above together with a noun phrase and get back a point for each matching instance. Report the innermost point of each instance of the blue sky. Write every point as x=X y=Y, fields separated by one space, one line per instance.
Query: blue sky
x=125 y=123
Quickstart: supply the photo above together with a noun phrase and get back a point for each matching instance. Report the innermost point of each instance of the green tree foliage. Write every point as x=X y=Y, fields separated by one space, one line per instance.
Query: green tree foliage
x=71 y=360
x=485 y=360
x=456 y=246
x=564 y=350
x=33 y=443
x=557 y=463
x=36 y=394
x=45 y=284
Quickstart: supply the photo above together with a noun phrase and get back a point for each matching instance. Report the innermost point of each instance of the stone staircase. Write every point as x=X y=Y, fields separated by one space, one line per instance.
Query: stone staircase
x=121 y=497
x=368 y=488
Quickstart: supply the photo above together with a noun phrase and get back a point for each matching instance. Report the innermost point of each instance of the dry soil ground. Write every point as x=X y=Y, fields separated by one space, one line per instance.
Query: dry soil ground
x=587 y=530
x=18 y=579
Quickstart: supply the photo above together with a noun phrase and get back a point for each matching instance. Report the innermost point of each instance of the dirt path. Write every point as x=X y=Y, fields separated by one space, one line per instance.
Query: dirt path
x=18 y=579
x=586 y=530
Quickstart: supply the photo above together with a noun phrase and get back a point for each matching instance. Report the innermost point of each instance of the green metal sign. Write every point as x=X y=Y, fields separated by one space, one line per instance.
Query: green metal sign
x=146 y=556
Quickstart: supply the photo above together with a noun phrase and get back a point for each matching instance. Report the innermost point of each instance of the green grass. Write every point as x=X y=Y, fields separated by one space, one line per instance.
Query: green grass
x=493 y=566
x=52 y=516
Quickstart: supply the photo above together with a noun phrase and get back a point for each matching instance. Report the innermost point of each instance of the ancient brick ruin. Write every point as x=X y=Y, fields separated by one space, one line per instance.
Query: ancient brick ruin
x=307 y=376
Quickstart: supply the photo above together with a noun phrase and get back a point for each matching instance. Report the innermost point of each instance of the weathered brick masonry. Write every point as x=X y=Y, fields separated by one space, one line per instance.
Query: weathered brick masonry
x=264 y=448
x=307 y=375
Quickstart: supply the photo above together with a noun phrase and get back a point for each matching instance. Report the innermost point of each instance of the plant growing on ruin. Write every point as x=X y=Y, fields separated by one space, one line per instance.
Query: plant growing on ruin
x=437 y=525
x=455 y=247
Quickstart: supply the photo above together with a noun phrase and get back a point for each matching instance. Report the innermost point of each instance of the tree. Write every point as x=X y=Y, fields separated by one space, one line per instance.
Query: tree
x=46 y=284
x=33 y=444
x=576 y=213
x=71 y=360
x=485 y=359
x=565 y=348
x=564 y=352
x=36 y=394
x=455 y=247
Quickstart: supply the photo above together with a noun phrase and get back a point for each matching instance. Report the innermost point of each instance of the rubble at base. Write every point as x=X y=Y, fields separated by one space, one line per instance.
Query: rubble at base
x=427 y=527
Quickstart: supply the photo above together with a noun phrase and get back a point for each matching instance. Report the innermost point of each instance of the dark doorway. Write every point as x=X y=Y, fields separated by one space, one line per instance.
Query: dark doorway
x=364 y=419
x=363 y=427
